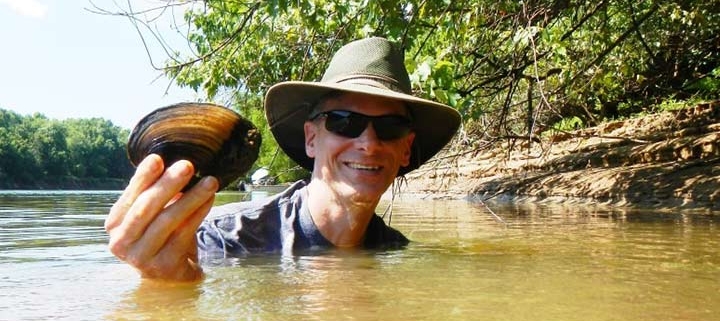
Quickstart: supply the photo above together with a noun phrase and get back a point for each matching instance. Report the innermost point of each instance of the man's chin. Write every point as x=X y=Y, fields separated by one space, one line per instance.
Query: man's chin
x=362 y=192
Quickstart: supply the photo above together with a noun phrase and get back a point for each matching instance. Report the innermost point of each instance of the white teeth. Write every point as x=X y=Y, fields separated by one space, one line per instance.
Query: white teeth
x=363 y=167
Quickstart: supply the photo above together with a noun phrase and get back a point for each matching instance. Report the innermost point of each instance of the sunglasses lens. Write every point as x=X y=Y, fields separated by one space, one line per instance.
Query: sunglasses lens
x=345 y=123
x=391 y=127
x=349 y=124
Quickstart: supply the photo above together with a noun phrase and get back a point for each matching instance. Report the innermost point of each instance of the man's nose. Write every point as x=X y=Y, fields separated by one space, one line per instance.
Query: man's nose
x=368 y=139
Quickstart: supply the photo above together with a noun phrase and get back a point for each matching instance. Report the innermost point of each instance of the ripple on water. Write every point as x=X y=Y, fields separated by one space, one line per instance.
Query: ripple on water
x=524 y=262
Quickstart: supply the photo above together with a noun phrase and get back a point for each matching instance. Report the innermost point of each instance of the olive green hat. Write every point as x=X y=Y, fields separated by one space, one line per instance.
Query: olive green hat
x=370 y=66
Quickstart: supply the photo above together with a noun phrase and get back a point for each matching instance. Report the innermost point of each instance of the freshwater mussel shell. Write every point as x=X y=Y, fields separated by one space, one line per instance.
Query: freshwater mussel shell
x=215 y=139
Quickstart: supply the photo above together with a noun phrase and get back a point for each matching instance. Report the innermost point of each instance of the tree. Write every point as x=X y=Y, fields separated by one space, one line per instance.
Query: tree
x=97 y=148
x=512 y=68
x=35 y=150
x=50 y=148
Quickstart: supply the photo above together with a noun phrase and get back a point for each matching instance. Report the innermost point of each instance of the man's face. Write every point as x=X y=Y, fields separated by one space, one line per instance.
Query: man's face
x=362 y=167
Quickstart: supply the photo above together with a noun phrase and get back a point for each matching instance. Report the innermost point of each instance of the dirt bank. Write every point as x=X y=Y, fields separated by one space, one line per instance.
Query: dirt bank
x=669 y=160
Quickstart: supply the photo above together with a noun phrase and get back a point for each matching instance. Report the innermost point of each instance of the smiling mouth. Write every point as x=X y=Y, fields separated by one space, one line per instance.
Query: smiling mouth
x=363 y=167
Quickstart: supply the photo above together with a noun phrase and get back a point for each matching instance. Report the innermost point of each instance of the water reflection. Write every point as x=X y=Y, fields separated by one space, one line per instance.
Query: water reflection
x=152 y=300
x=533 y=261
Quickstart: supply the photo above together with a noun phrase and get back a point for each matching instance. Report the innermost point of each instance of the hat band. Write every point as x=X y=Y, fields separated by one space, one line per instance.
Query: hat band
x=374 y=81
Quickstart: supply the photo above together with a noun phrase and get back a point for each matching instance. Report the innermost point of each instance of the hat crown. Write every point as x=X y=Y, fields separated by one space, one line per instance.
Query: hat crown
x=373 y=62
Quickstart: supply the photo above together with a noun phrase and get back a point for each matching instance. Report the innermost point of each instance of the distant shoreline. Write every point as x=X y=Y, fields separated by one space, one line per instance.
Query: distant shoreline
x=66 y=183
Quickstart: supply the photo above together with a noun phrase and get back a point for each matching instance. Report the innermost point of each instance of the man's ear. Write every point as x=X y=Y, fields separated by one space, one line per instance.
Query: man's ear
x=407 y=146
x=310 y=133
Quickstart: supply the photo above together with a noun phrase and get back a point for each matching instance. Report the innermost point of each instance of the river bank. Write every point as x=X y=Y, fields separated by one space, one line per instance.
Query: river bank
x=66 y=183
x=668 y=160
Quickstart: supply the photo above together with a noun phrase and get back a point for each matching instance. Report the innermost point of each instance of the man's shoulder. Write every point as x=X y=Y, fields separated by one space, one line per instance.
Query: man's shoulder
x=257 y=207
x=248 y=227
x=380 y=235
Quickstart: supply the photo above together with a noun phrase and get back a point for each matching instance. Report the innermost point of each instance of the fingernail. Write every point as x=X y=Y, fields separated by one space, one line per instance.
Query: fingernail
x=186 y=169
x=209 y=183
x=182 y=168
x=153 y=162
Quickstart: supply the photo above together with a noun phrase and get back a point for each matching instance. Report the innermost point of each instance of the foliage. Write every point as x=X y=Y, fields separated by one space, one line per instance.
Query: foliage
x=35 y=149
x=673 y=104
x=568 y=124
x=515 y=67
x=281 y=167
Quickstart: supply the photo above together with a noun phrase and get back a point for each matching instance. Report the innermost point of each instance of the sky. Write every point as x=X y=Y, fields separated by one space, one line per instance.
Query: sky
x=60 y=60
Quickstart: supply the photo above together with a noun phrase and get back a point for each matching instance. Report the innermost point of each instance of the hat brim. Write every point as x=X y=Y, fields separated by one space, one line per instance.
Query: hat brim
x=287 y=105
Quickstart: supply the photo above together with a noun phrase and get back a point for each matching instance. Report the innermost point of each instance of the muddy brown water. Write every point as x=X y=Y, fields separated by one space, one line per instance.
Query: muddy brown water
x=468 y=261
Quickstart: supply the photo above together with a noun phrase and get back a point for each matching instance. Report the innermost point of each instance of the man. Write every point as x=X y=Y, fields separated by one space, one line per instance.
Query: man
x=356 y=130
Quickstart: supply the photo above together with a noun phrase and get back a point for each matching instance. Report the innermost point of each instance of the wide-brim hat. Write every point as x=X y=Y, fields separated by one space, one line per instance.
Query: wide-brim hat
x=370 y=66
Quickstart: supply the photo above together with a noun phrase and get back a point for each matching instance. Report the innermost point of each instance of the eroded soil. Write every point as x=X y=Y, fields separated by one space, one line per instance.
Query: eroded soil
x=667 y=160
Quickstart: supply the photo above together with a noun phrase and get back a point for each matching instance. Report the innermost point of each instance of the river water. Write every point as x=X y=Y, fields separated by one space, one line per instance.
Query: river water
x=468 y=261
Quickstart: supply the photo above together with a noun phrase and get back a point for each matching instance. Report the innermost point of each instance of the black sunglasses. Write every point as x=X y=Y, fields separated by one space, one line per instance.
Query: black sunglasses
x=351 y=124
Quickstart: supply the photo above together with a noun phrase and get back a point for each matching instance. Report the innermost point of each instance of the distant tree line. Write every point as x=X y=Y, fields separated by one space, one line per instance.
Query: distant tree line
x=37 y=152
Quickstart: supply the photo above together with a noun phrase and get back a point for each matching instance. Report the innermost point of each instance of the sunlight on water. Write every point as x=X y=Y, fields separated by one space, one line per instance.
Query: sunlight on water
x=525 y=262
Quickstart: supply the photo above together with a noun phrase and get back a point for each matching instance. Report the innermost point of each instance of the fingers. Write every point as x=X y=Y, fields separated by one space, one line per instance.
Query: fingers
x=172 y=254
x=187 y=234
x=141 y=202
x=199 y=215
x=152 y=201
x=181 y=249
x=180 y=218
x=152 y=225
x=145 y=175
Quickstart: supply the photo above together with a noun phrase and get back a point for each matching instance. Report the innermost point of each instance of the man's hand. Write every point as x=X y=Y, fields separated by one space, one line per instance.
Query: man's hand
x=152 y=225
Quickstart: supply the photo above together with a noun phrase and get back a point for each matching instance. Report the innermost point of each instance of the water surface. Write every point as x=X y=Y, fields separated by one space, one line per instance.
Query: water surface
x=531 y=262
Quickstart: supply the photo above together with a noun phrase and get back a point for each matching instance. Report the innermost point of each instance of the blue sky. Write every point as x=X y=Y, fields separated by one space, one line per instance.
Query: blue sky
x=62 y=61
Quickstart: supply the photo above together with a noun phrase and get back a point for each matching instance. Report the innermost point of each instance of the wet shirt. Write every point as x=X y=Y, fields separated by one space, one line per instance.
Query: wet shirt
x=281 y=223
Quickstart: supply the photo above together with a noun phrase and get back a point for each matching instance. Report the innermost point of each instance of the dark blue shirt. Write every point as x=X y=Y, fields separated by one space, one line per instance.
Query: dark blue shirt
x=281 y=223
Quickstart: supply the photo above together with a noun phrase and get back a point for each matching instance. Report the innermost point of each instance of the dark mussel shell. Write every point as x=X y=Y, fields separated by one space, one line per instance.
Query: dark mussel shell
x=218 y=141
